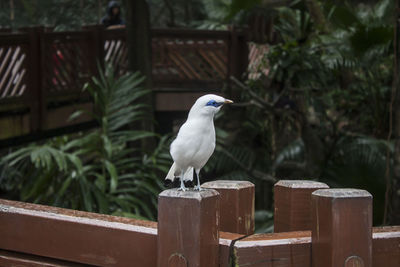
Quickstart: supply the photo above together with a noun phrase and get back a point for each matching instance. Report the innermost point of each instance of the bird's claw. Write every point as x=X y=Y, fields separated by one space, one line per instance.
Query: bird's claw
x=197 y=188
x=183 y=189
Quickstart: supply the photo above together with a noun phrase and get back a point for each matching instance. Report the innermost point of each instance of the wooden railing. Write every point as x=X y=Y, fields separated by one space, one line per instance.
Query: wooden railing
x=314 y=226
x=42 y=72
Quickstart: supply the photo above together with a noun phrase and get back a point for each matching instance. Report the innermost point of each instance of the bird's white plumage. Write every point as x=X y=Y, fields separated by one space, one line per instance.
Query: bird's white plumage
x=195 y=141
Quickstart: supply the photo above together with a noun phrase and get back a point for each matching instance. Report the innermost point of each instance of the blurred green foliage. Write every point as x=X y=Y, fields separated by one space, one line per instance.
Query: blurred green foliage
x=321 y=112
x=99 y=170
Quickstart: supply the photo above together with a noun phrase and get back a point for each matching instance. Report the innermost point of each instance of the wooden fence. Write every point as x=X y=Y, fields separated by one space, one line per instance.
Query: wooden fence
x=42 y=72
x=314 y=226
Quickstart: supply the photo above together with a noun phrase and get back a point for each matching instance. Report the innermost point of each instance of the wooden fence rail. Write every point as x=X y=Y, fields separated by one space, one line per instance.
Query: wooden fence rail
x=191 y=231
x=42 y=73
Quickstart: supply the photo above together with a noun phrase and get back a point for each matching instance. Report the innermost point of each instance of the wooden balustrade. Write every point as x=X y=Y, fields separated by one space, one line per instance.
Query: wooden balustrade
x=189 y=233
x=42 y=73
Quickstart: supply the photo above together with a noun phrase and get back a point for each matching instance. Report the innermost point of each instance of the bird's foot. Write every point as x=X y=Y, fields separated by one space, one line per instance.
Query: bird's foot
x=197 y=188
x=183 y=189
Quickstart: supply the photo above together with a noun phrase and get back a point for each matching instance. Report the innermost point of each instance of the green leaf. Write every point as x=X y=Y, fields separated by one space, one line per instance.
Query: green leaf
x=107 y=146
x=113 y=174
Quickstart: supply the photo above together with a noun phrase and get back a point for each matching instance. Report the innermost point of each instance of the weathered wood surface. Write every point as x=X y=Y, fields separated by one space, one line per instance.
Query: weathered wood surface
x=341 y=228
x=292 y=249
x=76 y=236
x=386 y=246
x=292 y=204
x=13 y=259
x=188 y=228
x=36 y=235
x=237 y=205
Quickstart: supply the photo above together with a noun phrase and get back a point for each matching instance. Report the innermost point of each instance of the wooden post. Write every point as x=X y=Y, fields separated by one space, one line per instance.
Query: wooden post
x=341 y=228
x=238 y=56
x=188 y=230
x=236 y=205
x=293 y=204
x=238 y=53
x=35 y=96
x=96 y=47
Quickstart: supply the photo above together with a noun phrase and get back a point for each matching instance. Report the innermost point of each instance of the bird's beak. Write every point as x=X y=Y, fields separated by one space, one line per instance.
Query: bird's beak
x=227 y=101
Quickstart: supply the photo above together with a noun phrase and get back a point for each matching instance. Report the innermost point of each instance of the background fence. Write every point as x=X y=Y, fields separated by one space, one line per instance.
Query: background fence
x=42 y=72
x=314 y=226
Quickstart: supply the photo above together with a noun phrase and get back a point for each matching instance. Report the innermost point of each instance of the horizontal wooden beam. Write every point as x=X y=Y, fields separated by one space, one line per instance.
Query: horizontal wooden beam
x=386 y=246
x=76 y=236
x=15 y=259
x=14 y=39
x=189 y=33
x=44 y=234
x=226 y=242
x=278 y=249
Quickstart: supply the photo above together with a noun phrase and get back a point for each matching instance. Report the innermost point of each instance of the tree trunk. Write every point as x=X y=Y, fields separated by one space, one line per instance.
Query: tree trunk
x=139 y=53
x=394 y=193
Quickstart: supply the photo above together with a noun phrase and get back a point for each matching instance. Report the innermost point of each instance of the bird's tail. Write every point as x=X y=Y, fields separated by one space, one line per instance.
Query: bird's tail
x=188 y=176
x=171 y=173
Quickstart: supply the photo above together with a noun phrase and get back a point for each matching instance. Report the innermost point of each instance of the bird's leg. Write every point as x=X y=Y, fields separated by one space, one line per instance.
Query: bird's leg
x=198 y=187
x=182 y=188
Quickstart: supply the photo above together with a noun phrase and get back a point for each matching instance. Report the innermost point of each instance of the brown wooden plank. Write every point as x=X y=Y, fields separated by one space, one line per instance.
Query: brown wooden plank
x=186 y=65
x=76 y=236
x=189 y=34
x=220 y=63
x=200 y=65
x=11 y=39
x=110 y=34
x=292 y=249
x=66 y=36
x=175 y=58
x=386 y=246
x=210 y=59
x=14 y=259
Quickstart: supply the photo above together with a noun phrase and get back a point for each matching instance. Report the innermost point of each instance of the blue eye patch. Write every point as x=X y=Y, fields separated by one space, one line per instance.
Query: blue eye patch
x=214 y=103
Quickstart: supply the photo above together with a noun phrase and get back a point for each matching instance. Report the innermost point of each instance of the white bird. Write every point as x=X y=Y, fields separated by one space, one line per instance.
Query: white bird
x=195 y=141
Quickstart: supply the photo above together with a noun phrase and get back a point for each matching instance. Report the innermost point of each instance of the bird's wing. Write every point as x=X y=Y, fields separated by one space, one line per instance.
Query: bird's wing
x=188 y=142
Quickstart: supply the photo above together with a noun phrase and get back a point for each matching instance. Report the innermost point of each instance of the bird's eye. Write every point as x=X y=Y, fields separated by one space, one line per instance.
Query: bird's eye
x=211 y=103
x=214 y=103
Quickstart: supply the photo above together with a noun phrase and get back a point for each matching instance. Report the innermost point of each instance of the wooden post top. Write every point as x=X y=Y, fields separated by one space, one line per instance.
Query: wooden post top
x=192 y=194
x=342 y=193
x=301 y=184
x=227 y=184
